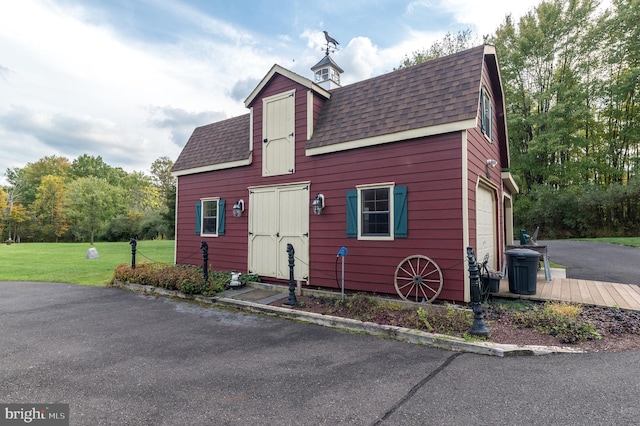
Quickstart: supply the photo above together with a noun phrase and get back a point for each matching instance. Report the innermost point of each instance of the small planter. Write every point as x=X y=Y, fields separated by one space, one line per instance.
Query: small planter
x=494 y=285
x=491 y=283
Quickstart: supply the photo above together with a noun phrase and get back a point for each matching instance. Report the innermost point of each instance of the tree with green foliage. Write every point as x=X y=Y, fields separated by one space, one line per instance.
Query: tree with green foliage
x=163 y=179
x=29 y=178
x=450 y=44
x=4 y=207
x=543 y=59
x=161 y=175
x=571 y=75
x=91 y=203
x=17 y=215
x=621 y=91
x=86 y=165
x=140 y=194
x=48 y=208
x=169 y=215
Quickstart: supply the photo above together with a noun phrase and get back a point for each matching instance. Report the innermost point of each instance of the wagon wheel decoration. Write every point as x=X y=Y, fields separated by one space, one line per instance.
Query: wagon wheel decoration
x=418 y=279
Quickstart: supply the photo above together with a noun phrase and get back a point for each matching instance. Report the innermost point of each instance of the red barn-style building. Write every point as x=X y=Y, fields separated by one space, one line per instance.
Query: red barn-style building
x=406 y=170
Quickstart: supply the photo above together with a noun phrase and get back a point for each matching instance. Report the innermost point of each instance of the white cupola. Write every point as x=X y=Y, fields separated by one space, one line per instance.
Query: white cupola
x=327 y=73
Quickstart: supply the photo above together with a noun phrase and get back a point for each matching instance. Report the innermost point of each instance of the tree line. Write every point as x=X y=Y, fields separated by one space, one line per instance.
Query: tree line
x=54 y=199
x=571 y=76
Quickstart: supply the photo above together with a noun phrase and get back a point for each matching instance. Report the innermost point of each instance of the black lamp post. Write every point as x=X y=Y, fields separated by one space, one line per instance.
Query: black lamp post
x=133 y=244
x=291 y=301
x=205 y=259
x=478 y=328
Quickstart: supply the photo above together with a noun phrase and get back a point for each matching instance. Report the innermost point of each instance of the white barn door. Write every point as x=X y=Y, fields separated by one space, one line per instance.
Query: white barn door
x=279 y=216
x=278 y=144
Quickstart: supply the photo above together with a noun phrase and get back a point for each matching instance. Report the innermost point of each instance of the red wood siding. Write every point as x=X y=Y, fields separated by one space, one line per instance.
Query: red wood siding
x=479 y=150
x=431 y=168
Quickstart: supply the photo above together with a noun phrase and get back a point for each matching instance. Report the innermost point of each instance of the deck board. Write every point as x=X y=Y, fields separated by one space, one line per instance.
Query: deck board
x=630 y=297
x=623 y=296
x=635 y=293
x=585 y=296
x=598 y=298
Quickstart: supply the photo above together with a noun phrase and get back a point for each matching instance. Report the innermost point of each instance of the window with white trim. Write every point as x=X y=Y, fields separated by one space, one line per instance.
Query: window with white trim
x=377 y=212
x=210 y=217
x=486 y=114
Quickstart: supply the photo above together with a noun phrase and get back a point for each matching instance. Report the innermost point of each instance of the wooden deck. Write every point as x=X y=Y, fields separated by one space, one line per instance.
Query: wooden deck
x=623 y=296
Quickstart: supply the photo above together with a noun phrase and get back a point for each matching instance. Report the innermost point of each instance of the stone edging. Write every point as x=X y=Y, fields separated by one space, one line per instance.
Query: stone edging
x=441 y=341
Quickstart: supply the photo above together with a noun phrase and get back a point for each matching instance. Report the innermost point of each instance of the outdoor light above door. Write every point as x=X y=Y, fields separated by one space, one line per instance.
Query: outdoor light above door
x=318 y=204
x=490 y=163
x=238 y=208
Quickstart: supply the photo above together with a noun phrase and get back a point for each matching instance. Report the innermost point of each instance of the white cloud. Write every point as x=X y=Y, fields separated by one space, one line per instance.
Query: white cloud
x=361 y=58
x=81 y=88
x=73 y=82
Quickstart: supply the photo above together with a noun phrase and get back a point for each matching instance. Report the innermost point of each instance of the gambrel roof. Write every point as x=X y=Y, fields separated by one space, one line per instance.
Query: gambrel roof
x=438 y=92
x=223 y=142
x=434 y=97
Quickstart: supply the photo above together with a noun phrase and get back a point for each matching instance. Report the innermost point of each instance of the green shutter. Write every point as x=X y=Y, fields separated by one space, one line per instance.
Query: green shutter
x=483 y=110
x=352 y=213
x=490 y=132
x=198 y=217
x=221 y=204
x=400 y=228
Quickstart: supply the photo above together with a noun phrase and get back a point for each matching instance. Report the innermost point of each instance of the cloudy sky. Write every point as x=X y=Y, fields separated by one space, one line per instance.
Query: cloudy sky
x=128 y=80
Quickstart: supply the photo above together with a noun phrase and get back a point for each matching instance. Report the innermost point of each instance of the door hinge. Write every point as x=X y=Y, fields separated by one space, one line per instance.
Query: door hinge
x=250 y=233
x=306 y=234
x=290 y=170
x=265 y=140
x=291 y=135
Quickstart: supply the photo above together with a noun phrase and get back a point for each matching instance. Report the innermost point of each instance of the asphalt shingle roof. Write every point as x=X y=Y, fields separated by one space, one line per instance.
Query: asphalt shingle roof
x=440 y=91
x=216 y=143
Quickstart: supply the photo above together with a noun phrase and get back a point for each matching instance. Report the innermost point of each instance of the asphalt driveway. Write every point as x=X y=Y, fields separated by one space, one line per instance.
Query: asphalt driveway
x=596 y=261
x=120 y=358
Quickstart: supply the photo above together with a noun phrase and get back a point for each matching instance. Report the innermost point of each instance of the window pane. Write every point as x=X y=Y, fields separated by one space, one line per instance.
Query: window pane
x=375 y=211
x=209 y=217
x=209 y=226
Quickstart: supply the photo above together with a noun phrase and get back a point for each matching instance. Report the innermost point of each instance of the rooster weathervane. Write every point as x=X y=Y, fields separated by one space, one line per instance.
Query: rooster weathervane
x=330 y=40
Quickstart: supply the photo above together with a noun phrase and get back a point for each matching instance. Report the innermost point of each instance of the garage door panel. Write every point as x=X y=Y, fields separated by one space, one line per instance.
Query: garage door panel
x=486 y=225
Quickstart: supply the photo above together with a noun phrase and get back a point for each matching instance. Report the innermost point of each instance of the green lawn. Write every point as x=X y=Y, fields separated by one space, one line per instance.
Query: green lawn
x=66 y=262
x=626 y=241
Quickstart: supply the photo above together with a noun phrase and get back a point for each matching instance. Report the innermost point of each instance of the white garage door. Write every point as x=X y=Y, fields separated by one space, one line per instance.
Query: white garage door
x=486 y=225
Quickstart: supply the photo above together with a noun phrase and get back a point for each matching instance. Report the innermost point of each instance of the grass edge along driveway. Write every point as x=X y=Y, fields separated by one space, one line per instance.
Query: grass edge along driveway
x=67 y=262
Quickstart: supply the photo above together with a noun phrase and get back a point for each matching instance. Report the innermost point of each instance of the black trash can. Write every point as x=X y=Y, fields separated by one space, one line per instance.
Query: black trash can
x=522 y=268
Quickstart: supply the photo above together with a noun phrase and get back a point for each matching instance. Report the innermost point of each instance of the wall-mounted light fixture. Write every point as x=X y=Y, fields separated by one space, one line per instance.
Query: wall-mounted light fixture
x=238 y=208
x=490 y=163
x=318 y=204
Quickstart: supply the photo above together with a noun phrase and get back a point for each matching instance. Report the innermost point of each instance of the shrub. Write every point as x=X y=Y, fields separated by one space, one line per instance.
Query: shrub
x=187 y=279
x=445 y=320
x=558 y=319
